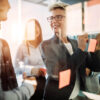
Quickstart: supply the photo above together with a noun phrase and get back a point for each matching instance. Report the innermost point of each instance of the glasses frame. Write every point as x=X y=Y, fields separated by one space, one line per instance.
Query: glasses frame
x=57 y=18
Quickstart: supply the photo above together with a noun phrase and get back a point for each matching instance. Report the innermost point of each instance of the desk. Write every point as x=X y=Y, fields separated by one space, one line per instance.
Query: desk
x=91 y=95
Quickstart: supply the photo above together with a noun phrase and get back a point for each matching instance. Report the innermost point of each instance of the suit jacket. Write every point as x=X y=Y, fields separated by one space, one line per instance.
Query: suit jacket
x=57 y=58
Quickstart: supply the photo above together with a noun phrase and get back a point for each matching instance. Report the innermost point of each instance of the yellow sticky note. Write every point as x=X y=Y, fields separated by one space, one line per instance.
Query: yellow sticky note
x=92 y=45
x=64 y=78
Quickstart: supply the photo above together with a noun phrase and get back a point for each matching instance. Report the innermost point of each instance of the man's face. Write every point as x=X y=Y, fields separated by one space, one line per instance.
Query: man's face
x=4 y=7
x=57 y=20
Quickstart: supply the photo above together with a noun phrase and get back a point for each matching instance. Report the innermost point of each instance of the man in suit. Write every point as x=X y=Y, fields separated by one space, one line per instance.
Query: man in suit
x=62 y=53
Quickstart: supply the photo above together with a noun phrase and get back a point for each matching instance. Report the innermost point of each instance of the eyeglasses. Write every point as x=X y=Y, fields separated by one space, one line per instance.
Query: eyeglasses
x=57 y=18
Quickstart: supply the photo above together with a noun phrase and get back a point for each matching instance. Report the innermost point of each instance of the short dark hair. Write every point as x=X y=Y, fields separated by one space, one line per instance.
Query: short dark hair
x=58 y=5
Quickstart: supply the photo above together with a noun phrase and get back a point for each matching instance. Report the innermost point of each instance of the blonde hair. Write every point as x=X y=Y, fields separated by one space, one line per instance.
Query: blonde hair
x=38 y=39
x=58 y=5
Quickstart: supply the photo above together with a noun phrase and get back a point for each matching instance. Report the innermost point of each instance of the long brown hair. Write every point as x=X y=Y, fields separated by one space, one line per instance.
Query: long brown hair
x=98 y=42
x=8 y=77
x=38 y=39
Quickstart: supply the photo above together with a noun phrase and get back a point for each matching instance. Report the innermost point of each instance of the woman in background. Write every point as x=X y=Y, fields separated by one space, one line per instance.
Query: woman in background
x=29 y=53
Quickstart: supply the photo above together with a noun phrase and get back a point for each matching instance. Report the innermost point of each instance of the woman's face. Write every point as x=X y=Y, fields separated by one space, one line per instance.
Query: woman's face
x=30 y=30
x=4 y=7
x=33 y=30
x=38 y=31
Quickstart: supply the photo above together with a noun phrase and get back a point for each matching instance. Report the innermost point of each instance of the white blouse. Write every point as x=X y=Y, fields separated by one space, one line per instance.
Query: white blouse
x=29 y=61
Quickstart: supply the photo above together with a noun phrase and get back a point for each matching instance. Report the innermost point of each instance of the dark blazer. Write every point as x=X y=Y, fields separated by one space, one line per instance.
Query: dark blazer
x=57 y=58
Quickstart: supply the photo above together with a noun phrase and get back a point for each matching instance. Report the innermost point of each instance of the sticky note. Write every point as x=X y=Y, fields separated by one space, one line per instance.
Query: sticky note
x=64 y=78
x=92 y=45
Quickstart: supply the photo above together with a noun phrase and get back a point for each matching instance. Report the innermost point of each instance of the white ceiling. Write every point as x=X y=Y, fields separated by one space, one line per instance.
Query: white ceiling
x=46 y=2
x=41 y=2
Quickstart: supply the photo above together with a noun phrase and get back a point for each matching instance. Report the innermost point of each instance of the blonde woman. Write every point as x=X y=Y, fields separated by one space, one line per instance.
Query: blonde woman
x=29 y=55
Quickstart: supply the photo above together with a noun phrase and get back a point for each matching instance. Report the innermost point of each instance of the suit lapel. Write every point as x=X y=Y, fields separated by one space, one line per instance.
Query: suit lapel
x=73 y=43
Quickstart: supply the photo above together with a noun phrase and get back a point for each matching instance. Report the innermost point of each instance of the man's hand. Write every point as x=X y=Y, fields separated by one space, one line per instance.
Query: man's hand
x=82 y=40
x=88 y=71
x=24 y=75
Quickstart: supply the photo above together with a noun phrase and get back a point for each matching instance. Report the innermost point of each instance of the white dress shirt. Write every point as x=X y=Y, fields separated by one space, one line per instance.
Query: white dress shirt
x=76 y=88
